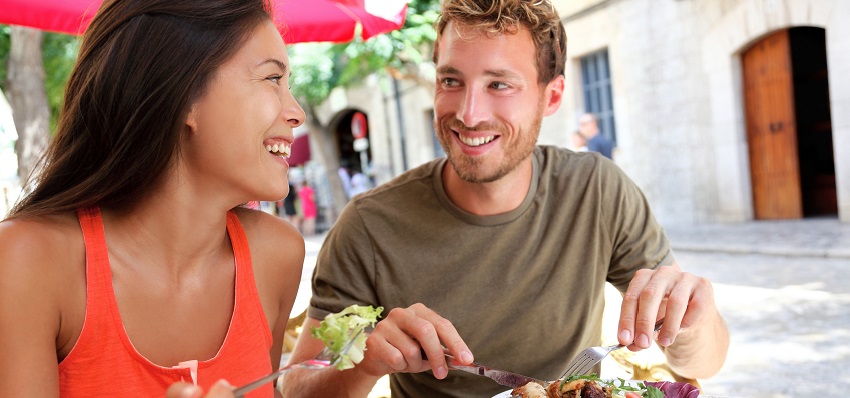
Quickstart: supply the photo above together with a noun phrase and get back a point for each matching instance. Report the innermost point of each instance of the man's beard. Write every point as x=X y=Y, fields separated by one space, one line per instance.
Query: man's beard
x=473 y=169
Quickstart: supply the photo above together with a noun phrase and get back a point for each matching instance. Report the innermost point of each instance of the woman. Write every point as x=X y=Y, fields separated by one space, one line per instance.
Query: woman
x=129 y=265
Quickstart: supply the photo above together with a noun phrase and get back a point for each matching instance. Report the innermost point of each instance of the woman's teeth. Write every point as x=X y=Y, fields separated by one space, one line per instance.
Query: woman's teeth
x=280 y=150
x=477 y=140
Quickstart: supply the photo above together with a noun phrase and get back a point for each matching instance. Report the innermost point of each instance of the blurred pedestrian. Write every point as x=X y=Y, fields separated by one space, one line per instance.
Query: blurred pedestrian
x=345 y=177
x=126 y=269
x=596 y=142
x=307 y=197
x=289 y=211
x=359 y=182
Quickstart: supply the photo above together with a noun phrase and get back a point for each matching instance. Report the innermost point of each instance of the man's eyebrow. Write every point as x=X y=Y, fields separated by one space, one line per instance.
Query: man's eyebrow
x=502 y=73
x=448 y=70
x=277 y=63
x=498 y=73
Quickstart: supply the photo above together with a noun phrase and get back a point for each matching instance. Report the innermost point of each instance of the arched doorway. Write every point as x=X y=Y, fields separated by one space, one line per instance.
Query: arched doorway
x=355 y=152
x=789 y=129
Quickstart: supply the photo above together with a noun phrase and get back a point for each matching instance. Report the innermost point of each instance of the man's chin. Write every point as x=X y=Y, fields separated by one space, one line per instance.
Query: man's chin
x=476 y=172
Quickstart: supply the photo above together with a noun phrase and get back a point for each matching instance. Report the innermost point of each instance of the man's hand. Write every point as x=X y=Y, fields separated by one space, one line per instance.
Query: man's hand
x=398 y=341
x=682 y=299
x=221 y=389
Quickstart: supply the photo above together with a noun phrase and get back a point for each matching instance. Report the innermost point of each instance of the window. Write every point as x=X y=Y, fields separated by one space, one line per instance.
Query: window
x=596 y=88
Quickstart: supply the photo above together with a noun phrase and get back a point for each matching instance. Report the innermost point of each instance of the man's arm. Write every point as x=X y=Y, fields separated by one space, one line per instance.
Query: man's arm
x=396 y=345
x=694 y=336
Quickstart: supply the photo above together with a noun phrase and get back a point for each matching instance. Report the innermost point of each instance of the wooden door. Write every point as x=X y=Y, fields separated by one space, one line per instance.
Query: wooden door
x=771 y=128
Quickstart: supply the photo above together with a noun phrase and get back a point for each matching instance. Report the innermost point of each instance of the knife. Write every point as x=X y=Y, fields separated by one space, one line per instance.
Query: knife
x=503 y=377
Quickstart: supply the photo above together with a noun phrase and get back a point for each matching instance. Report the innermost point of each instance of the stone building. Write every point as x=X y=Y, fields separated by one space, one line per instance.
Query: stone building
x=722 y=110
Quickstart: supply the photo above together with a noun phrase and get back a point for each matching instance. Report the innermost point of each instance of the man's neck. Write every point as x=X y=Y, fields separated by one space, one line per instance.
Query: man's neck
x=487 y=199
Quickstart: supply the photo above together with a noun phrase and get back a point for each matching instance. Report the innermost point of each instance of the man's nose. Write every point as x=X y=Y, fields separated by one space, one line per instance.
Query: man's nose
x=474 y=108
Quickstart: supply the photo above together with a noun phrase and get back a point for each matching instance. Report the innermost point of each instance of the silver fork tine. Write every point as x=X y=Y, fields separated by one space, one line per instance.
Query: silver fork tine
x=589 y=357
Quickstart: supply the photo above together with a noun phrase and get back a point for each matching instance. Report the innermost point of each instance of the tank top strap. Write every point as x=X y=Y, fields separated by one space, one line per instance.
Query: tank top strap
x=98 y=274
x=249 y=306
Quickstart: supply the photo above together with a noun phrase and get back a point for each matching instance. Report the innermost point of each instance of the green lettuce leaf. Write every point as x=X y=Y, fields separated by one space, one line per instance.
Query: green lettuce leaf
x=336 y=330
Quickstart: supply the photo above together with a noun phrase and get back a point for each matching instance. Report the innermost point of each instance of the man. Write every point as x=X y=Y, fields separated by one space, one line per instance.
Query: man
x=501 y=250
x=589 y=128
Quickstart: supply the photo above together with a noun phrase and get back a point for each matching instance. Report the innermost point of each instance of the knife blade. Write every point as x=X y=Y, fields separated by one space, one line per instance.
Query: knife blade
x=503 y=377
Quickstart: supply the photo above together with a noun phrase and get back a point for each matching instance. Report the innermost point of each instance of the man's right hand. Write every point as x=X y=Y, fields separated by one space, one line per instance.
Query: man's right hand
x=398 y=341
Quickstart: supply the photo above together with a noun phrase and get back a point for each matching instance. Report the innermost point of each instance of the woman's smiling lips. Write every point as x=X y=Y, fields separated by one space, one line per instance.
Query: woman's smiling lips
x=280 y=148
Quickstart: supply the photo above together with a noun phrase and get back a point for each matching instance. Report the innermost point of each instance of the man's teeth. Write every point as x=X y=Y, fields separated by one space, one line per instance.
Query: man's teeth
x=477 y=140
x=280 y=150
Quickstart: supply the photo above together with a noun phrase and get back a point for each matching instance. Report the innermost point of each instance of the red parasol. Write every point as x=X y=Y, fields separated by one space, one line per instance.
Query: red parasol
x=299 y=20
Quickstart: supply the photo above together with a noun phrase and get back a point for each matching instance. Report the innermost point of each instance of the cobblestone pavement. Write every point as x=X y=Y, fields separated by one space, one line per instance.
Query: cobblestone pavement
x=813 y=237
x=784 y=290
x=789 y=319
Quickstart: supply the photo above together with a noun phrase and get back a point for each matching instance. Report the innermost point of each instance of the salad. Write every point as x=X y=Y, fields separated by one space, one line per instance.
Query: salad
x=337 y=331
x=620 y=388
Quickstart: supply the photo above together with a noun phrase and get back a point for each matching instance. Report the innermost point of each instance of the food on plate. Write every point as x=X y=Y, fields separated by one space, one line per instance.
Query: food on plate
x=578 y=388
x=591 y=386
x=337 y=330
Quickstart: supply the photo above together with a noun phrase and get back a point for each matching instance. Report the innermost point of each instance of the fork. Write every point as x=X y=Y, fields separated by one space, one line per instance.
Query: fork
x=589 y=357
x=321 y=361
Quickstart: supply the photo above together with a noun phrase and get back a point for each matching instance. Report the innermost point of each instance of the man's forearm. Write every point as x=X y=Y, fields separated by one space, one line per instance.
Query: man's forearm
x=700 y=352
x=327 y=383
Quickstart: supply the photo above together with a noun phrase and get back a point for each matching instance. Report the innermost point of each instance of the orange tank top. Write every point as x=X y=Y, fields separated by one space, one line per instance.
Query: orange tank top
x=104 y=362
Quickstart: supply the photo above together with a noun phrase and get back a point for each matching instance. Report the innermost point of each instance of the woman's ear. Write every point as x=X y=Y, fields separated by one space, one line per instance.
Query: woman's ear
x=192 y=118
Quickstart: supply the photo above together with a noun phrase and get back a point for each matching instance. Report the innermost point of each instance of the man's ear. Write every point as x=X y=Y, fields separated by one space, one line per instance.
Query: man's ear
x=554 y=95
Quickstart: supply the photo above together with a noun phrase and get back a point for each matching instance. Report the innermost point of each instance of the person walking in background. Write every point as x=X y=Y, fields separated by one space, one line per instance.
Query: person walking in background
x=125 y=270
x=589 y=128
x=345 y=177
x=359 y=182
x=289 y=210
x=307 y=197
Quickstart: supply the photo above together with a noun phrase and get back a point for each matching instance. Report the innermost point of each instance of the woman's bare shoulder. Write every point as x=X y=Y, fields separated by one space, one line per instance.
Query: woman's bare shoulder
x=43 y=244
x=269 y=232
x=277 y=248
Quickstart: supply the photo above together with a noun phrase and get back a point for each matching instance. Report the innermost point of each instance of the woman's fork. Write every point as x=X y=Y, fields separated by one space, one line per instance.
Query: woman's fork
x=589 y=357
x=321 y=361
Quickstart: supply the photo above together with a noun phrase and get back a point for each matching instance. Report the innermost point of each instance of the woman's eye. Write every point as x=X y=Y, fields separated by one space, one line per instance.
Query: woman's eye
x=274 y=78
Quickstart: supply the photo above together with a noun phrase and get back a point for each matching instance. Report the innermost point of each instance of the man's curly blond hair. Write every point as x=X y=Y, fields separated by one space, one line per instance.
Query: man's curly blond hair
x=504 y=17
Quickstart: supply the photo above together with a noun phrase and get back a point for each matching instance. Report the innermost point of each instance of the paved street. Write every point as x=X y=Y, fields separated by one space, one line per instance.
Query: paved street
x=783 y=289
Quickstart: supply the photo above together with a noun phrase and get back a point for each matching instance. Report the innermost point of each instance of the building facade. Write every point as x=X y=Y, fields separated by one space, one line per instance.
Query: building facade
x=722 y=110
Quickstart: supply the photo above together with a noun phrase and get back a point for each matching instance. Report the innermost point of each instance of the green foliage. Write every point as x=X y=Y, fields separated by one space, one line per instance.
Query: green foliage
x=59 y=53
x=5 y=45
x=318 y=68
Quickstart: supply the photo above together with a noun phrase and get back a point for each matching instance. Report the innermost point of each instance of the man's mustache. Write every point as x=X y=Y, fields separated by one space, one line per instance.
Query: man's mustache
x=456 y=124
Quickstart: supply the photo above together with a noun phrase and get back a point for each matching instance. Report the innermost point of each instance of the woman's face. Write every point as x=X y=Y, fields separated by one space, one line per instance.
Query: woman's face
x=239 y=133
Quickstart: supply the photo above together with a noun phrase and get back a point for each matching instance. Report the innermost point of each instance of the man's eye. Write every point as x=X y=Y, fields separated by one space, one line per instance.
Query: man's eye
x=274 y=78
x=450 y=82
x=499 y=85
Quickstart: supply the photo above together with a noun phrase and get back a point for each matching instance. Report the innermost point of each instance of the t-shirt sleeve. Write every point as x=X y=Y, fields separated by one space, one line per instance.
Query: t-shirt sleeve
x=344 y=272
x=638 y=241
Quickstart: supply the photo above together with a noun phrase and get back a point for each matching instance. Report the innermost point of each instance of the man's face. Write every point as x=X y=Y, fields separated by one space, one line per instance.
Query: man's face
x=488 y=104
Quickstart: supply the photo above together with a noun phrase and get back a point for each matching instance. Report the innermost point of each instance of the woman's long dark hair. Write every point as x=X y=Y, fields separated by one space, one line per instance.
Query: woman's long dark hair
x=142 y=64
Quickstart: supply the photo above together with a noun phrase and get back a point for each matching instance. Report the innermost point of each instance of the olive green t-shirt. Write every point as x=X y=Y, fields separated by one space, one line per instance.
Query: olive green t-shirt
x=524 y=289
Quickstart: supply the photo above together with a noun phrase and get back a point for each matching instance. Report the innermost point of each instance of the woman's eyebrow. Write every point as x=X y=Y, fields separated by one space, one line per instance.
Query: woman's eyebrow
x=276 y=62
